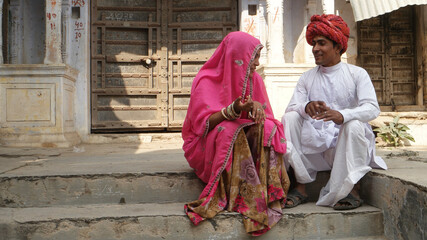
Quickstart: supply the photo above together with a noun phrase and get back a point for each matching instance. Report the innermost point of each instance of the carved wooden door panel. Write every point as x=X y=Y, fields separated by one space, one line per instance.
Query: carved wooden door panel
x=127 y=66
x=386 y=51
x=196 y=27
x=144 y=56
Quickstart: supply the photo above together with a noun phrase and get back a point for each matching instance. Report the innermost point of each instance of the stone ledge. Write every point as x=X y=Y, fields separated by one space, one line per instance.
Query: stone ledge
x=400 y=191
x=41 y=70
x=168 y=221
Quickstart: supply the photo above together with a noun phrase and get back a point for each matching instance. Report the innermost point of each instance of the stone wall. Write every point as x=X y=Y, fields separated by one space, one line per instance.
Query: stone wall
x=37 y=105
x=404 y=205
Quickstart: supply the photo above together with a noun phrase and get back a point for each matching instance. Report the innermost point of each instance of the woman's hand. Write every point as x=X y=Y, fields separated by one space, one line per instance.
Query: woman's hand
x=255 y=109
x=240 y=106
x=258 y=112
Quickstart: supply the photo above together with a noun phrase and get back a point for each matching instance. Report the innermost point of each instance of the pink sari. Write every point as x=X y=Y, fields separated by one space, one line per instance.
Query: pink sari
x=223 y=78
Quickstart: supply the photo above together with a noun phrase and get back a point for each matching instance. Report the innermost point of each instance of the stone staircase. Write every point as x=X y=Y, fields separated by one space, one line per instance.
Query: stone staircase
x=140 y=195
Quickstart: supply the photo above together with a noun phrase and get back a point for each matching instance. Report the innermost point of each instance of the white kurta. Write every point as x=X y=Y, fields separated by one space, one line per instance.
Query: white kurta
x=348 y=150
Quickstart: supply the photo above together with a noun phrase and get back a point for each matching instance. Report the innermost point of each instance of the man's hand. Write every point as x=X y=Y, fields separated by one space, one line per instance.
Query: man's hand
x=330 y=115
x=315 y=107
x=319 y=111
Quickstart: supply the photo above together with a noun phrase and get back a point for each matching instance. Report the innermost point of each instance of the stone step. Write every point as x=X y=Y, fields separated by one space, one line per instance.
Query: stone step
x=125 y=173
x=168 y=221
x=159 y=187
x=107 y=178
x=41 y=191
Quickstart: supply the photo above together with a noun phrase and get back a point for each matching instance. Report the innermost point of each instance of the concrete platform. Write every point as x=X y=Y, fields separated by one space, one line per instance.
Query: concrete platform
x=160 y=155
x=66 y=191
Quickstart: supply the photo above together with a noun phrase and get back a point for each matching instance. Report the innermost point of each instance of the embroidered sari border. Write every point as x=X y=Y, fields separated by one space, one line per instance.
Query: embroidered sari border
x=227 y=156
x=259 y=46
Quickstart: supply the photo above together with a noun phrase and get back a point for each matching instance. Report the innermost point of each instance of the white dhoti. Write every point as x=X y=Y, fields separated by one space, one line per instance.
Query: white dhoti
x=349 y=157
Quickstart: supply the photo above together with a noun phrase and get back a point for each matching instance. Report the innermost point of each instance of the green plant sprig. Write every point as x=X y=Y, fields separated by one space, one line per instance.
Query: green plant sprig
x=394 y=133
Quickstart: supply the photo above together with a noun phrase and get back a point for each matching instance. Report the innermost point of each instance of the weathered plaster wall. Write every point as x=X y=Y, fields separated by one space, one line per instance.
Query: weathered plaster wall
x=249 y=23
x=33 y=47
x=79 y=58
x=254 y=24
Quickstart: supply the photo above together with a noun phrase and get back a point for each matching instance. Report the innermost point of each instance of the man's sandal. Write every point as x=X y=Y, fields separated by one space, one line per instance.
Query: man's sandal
x=296 y=197
x=348 y=203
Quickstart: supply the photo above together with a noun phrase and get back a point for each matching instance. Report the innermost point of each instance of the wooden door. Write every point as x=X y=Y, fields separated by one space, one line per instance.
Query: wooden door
x=145 y=54
x=386 y=50
x=196 y=27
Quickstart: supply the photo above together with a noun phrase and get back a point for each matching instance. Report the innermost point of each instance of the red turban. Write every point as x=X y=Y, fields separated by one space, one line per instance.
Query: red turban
x=330 y=26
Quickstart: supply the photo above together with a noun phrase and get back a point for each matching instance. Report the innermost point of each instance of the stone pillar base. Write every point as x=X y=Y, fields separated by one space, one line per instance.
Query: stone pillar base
x=37 y=105
x=40 y=140
x=280 y=81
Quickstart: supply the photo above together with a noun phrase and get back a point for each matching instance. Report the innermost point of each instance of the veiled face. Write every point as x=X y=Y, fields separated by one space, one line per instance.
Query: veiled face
x=255 y=63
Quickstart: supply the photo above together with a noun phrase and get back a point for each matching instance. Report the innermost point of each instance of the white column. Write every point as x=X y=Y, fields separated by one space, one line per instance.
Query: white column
x=288 y=47
x=275 y=32
x=328 y=6
x=311 y=10
x=53 y=32
x=1 y=34
x=16 y=31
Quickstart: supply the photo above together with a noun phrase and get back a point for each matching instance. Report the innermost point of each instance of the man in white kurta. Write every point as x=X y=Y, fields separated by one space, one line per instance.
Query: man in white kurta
x=326 y=121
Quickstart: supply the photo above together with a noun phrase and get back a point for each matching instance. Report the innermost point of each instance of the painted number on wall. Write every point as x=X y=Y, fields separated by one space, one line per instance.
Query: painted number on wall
x=78 y=26
x=50 y=16
x=78 y=3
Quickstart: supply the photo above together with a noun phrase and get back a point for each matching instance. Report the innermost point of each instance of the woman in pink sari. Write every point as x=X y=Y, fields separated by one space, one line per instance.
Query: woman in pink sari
x=232 y=140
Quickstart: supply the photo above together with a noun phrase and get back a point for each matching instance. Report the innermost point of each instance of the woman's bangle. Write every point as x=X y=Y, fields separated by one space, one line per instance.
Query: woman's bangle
x=234 y=111
x=224 y=114
x=231 y=113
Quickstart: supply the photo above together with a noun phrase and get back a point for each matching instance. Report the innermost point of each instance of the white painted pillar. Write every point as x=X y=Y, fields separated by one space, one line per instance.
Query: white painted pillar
x=328 y=6
x=16 y=31
x=1 y=34
x=53 y=32
x=311 y=10
x=275 y=32
x=287 y=31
